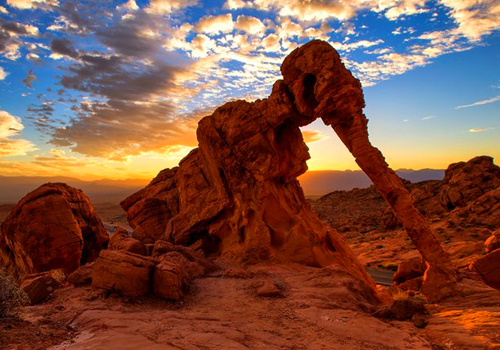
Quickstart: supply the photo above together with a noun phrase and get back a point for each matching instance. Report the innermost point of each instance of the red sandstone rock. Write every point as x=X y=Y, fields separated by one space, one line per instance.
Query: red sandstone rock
x=408 y=270
x=173 y=274
x=52 y=227
x=122 y=241
x=268 y=289
x=323 y=88
x=467 y=181
x=82 y=275
x=123 y=272
x=492 y=243
x=488 y=267
x=483 y=211
x=238 y=191
x=39 y=287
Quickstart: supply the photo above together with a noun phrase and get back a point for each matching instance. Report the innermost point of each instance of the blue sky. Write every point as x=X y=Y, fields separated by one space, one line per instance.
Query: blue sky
x=116 y=88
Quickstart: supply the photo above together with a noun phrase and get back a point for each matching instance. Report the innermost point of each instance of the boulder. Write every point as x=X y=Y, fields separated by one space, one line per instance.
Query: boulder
x=39 y=287
x=493 y=242
x=488 y=267
x=121 y=240
x=173 y=274
x=406 y=309
x=123 y=272
x=52 y=227
x=82 y=275
x=408 y=270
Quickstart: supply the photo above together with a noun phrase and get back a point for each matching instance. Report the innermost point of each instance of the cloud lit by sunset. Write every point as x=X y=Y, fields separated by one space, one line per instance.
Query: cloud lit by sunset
x=116 y=89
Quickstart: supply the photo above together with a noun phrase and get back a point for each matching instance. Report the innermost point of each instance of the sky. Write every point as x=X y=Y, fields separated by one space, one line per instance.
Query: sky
x=114 y=89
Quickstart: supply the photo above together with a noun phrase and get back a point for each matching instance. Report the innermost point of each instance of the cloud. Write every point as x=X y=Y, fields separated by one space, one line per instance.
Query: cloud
x=428 y=117
x=63 y=47
x=139 y=36
x=166 y=7
x=250 y=25
x=3 y=74
x=477 y=129
x=11 y=126
x=313 y=136
x=3 y=10
x=215 y=24
x=31 y=4
x=130 y=5
x=480 y=103
x=30 y=77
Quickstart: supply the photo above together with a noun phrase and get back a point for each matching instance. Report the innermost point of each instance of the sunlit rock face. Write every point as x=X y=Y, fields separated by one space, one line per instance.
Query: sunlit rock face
x=237 y=194
x=52 y=227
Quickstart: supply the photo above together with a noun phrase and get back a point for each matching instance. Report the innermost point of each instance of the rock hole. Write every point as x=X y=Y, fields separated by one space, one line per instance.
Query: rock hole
x=308 y=95
x=329 y=243
x=242 y=234
x=209 y=244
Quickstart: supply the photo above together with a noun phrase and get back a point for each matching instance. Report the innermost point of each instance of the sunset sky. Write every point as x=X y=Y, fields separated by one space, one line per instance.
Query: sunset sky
x=115 y=89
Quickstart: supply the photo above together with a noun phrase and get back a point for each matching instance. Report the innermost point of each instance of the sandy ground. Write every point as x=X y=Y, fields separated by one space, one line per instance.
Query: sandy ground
x=317 y=311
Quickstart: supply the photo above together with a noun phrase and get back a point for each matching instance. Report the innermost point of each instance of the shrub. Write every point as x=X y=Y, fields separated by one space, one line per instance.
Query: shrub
x=12 y=297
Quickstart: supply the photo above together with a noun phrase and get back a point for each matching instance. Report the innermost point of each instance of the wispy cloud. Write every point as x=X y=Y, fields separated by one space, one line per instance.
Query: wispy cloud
x=428 y=117
x=313 y=136
x=477 y=129
x=480 y=103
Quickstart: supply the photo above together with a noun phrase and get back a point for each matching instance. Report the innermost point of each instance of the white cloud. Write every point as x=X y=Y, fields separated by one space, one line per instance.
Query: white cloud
x=236 y=4
x=3 y=9
x=30 y=4
x=130 y=5
x=250 y=25
x=11 y=126
x=477 y=129
x=428 y=117
x=3 y=74
x=215 y=24
x=480 y=103
x=166 y=7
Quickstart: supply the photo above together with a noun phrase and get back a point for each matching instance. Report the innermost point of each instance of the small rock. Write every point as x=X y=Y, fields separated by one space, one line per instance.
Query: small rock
x=269 y=289
x=382 y=312
x=405 y=309
x=420 y=320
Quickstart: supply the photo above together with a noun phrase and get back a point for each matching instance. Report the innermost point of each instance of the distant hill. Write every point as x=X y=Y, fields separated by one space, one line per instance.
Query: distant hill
x=318 y=183
x=13 y=188
x=314 y=183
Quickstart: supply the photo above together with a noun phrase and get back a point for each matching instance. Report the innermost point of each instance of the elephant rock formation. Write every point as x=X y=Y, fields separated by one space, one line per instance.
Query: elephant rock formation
x=237 y=194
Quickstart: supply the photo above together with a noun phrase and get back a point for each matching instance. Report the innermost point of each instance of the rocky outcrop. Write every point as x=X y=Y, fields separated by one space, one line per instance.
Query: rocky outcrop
x=52 y=227
x=237 y=194
x=488 y=267
x=39 y=287
x=121 y=240
x=467 y=181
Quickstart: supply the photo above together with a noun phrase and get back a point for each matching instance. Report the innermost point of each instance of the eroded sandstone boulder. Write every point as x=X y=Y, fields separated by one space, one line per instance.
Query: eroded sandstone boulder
x=408 y=270
x=488 y=267
x=121 y=240
x=123 y=272
x=52 y=227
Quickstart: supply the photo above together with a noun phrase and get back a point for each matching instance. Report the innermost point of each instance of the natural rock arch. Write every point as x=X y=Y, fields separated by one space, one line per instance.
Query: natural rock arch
x=237 y=194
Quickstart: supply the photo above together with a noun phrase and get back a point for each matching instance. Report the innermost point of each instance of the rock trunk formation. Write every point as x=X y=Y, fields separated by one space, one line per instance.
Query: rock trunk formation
x=324 y=89
x=237 y=194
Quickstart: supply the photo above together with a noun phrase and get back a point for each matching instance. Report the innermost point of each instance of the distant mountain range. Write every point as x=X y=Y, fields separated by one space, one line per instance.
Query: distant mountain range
x=13 y=188
x=314 y=183
x=318 y=183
